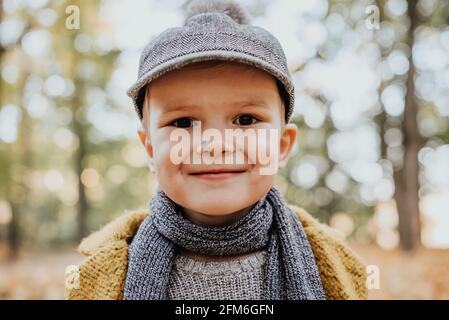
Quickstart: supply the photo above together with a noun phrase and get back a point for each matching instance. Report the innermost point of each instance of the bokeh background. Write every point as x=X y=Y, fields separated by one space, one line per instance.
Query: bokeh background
x=372 y=108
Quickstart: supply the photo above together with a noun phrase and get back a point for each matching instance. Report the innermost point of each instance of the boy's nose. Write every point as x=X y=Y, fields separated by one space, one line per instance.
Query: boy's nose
x=220 y=145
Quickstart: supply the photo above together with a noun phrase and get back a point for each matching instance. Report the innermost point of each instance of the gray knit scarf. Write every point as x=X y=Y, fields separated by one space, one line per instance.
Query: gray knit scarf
x=291 y=270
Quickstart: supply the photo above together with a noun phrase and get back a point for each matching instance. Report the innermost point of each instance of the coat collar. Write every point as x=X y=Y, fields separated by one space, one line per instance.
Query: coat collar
x=122 y=228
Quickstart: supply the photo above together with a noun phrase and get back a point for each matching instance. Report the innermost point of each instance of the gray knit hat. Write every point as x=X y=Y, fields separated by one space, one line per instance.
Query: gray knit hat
x=213 y=30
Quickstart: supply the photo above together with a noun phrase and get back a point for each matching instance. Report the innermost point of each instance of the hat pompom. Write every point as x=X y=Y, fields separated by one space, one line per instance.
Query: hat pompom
x=228 y=7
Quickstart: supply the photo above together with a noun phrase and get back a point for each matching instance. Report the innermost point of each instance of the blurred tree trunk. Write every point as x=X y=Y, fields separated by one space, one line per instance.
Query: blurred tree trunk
x=82 y=205
x=19 y=190
x=79 y=129
x=406 y=179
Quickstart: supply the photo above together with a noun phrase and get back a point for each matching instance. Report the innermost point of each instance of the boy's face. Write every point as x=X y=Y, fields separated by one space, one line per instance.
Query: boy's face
x=230 y=96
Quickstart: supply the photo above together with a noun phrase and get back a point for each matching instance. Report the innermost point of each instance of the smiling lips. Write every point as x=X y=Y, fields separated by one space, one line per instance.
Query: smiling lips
x=214 y=174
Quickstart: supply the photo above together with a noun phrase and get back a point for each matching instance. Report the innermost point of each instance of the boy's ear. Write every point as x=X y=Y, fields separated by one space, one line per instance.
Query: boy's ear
x=288 y=139
x=144 y=138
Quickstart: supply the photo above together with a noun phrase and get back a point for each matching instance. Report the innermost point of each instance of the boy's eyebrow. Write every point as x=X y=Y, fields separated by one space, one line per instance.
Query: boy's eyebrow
x=178 y=107
x=172 y=106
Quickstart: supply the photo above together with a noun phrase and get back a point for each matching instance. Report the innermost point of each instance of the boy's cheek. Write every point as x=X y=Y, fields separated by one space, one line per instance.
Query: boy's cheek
x=163 y=164
x=268 y=153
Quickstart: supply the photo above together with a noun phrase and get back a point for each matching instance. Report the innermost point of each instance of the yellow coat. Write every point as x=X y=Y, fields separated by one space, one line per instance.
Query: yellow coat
x=102 y=274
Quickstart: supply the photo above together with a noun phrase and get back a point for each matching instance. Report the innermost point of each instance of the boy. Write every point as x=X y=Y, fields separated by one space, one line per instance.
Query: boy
x=217 y=228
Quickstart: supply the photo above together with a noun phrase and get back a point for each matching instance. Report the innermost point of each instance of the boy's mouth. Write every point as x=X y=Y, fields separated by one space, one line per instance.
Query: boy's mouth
x=217 y=173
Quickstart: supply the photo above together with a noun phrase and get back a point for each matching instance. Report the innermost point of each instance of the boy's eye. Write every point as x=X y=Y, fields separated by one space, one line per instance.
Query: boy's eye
x=183 y=123
x=246 y=120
